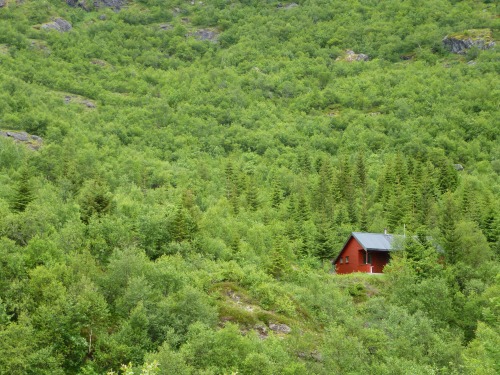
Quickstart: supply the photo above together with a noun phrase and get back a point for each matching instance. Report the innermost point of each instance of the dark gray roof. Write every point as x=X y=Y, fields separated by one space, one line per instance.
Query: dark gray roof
x=374 y=241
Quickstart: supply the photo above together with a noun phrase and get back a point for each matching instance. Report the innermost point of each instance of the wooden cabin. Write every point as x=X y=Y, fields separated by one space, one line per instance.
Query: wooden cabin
x=364 y=252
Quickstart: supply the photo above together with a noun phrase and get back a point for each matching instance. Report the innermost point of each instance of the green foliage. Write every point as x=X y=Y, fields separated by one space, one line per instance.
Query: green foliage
x=172 y=164
x=95 y=200
x=24 y=192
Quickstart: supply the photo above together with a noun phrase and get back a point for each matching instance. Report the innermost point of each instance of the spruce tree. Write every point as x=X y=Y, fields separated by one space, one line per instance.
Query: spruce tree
x=179 y=229
x=23 y=192
x=95 y=200
x=277 y=195
x=278 y=264
x=252 y=195
x=322 y=198
x=361 y=178
x=324 y=245
x=447 y=226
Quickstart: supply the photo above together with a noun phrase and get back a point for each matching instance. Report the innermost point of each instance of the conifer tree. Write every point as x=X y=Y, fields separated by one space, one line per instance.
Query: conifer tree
x=303 y=212
x=363 y=215
x=252 y=195
x=277 y=195
x=235 y=244
x=322 y=198
x=448 y=228
x=396 y=208
x=230 y=181
x=324 y=246
x=179 y=230
x=361 y=179
x=400 y=169
x=345 y=179
x=95 y=199
x=23 y=192
x=232 y=188
x=278 y=263
x=183 y=225
x=447 y=175
x=304 y=162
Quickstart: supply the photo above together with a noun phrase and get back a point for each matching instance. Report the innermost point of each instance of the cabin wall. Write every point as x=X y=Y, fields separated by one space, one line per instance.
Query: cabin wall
x=379 y=260
x=351 y=250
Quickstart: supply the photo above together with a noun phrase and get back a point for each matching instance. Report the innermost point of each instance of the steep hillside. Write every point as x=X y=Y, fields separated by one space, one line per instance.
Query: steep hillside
x=175 y=177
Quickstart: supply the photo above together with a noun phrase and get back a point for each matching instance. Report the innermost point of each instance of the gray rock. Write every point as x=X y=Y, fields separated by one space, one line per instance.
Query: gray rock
x=460 y=43
x=261 y=331
x=316 y=356
x=59 y=24
x=2 y=3
x=287 y=6
x=78 y=100
x=89 y=104
x=458 y=167
x=103 y=17
x=95 y=4
x=166 y=26
x=18 y=136
x=36 y=138
x=351 y=56
x=280 y=328
x=205 y=34
x=33 y=142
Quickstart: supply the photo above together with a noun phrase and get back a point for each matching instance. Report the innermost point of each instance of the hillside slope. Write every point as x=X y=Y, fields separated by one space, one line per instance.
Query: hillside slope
x=189 y=168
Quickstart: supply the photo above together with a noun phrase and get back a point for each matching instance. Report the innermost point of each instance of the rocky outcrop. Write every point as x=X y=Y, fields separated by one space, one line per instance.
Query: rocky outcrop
x=33 y=142
x=206 y=34
x=287 y=6
x=279 y=328
x=351 y=56
x=59 y=24
x=88 y=5
x=2 y=3
x=79 y=100
x=460 y=43
x=166 y=26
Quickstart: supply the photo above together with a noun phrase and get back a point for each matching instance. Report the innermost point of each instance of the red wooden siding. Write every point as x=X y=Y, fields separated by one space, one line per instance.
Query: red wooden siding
x=357 y=258
x=354 y=251
x=379 y=260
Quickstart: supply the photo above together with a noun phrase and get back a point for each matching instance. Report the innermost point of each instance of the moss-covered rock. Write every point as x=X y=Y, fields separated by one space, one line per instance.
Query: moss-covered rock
x=461 y=42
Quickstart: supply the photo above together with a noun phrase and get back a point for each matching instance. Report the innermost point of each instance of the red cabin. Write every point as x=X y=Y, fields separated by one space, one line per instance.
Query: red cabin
x=364 y=252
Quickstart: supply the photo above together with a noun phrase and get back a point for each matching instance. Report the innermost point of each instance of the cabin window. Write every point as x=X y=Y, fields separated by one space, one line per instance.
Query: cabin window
x=368 y=259
x=346 y=260
x=340 y=261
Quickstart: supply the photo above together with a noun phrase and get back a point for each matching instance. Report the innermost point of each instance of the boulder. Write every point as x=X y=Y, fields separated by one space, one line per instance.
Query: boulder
x=59 y=24
x=351 y=56
x=287 y=6
x=94 y=4
x=166 y=26
x=18 y=136
x=458 y=167
x=33 y=142
x=461 y=42
x=206 y=34
x=280 y=328
x=2 y=3
x=79 y=100
x=261 y=331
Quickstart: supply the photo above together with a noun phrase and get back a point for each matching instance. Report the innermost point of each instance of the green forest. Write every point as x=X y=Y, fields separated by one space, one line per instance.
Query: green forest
x=176 y=177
